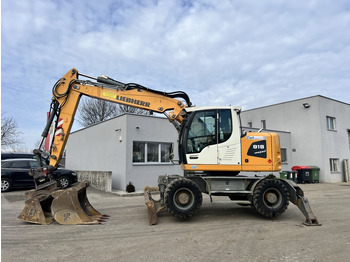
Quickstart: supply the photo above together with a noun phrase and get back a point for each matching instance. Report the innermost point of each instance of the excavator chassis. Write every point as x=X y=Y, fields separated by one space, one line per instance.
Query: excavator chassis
x=269 y=196
x=68 y=206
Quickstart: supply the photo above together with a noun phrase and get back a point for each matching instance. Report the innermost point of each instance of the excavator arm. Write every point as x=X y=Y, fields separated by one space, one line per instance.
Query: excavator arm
x=69 y=89
x=47 y=202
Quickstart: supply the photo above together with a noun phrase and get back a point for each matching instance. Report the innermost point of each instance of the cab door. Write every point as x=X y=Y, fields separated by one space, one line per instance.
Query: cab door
x=201 y=138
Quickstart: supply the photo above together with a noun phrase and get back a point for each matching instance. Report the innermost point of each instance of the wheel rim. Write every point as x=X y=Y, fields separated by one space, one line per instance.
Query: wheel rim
x=64 y=182
x=183 y=198
x=272 y=198
x=4 y=185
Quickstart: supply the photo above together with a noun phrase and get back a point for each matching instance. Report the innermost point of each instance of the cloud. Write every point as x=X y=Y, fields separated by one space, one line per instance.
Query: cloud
x=249 y=53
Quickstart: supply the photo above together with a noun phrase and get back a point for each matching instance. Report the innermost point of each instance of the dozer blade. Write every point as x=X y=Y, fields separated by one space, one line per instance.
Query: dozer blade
x=153 y=207
x=71 y=206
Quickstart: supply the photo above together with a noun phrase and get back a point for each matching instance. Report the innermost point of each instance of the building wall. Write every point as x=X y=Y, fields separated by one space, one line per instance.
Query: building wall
x=108 y=146
x=311 y=142
x=97 y=148
x=150 y=129
x=336 y=144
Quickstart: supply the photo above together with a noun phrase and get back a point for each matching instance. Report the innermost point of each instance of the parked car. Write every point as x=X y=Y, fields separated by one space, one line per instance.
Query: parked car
x=5 y=156
x=15 y=173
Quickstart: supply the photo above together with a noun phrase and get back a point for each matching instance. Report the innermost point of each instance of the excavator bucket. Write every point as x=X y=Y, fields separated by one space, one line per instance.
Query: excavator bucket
x=71 y=206
x=67 y=206
x=37 y=207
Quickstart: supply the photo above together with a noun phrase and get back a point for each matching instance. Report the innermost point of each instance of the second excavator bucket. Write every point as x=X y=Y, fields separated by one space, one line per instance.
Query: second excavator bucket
x=37 y=207
x=71 y=206
x=68 y=206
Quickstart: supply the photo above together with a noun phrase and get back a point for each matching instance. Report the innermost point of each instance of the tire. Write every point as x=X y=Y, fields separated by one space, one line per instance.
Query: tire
x=183 y=198
x=6 y=185
x=64 y=182
x=270 y=198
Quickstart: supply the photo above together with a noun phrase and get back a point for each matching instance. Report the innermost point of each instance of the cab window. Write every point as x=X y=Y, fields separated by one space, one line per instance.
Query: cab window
x=225 y=125
x=202 y=131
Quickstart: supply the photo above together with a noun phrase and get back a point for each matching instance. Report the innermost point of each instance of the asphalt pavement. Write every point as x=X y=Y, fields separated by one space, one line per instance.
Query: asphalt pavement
x=222 y=231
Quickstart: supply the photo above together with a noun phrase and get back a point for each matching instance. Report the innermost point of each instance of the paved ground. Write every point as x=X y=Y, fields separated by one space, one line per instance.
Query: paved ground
x=222 y=231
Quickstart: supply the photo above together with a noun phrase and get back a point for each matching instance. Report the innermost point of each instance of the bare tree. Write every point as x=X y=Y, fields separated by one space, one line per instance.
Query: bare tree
x=122 y=109
x=93 y=111
x=10 y=135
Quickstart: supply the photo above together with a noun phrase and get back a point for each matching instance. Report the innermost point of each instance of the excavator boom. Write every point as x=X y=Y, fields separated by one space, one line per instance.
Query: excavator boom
x=47 y=202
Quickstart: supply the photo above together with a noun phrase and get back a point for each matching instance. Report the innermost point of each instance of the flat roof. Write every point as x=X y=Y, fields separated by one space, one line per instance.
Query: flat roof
x=320 y=96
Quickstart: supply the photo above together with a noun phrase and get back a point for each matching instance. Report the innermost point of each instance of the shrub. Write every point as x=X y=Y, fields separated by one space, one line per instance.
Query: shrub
x=130 y=188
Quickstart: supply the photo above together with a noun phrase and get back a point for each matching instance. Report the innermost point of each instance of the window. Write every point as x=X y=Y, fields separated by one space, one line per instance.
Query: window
x=34 y=164
x=349 y=137
x=250 y=124
x=263 y=124
x=209 y=128
x=283 y=155
x=151 y=152
x=334 y=164
x=225 y=125
x=202 y=131
x=20 y=164
x=6 y=164
x=330 y=123
x=138 y=152
x=165 y=152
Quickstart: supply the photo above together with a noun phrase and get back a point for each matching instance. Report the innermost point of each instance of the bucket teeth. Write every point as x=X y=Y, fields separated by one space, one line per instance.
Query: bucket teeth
x=67 y=206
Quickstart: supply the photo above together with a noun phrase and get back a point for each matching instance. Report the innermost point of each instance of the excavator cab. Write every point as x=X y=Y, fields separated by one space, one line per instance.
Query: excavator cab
x=211 y=140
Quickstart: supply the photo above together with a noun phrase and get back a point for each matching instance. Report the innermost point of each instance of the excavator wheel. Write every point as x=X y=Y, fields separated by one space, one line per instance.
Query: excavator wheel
x=270 y=198
x=183 y=198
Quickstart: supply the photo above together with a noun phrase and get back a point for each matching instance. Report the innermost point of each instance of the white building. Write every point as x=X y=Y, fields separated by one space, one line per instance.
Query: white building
x=319 y=129
x=314 y=131
x=134 y=147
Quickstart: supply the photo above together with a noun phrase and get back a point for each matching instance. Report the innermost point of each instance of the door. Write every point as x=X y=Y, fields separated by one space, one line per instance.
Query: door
x=346 y=170
x=201 y=139
x=20 y=173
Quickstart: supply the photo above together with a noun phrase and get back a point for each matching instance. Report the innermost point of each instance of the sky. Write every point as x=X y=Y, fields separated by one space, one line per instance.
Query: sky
x=242 y=52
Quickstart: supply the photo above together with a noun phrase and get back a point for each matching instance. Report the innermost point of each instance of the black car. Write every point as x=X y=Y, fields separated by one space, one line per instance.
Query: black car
x=15 y=173
x=5 y=156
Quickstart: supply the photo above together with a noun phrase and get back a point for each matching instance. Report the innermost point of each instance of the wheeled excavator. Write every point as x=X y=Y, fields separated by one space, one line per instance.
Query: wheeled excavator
x=215 y=154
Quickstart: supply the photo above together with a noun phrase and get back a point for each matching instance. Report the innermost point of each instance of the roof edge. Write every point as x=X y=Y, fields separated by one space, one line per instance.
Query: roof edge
x=299 y=99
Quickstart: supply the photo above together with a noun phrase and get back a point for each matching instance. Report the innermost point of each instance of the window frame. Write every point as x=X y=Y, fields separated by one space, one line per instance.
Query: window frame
x=331 y=123
x=284 y=156
x=160 y=154
x=334 y=165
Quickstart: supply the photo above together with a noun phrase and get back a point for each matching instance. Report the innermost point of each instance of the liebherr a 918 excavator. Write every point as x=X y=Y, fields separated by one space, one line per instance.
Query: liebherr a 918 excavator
x=213 y=152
